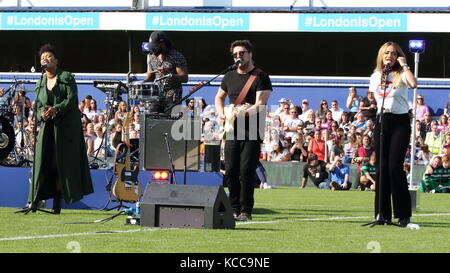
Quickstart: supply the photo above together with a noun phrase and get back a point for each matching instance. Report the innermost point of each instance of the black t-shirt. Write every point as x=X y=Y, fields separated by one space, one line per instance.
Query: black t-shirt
x=232 y=84
x=317 y=173
x=369 y=114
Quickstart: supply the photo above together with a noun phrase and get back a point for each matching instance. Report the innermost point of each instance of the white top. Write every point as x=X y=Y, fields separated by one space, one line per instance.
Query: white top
x=396 y=98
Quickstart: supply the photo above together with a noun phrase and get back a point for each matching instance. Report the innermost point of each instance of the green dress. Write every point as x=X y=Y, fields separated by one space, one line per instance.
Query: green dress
x=60 y=145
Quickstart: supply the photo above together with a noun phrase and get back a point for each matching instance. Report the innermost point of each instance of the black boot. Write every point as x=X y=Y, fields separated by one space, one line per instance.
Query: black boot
x=403 y=222
x=56 y=205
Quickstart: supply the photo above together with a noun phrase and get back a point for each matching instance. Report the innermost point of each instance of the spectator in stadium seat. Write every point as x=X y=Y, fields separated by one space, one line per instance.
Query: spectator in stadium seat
x=334 y=128
x=442 y=123
x=336 y=111
x=339 y=175
x=353 y=102
x=337 y=148
x=299 y=151
x=274 y=137
x=309 y=123
x=305 y=108
x=420 y=132
x=276 y=123
x=368 y=106
x=345 y=122
x=369 y=128
x=350 y=148
x=280 y=108
x=284 y=114
x=368 y=176
x=316 y=170
x=437 y=176
x=434 y=139
x=421 y=107
x=364 y=152
x=426 y=122
x=317 y=145
x=328 y=120
x=322 y=109
x=91 y=110
x=291 y=123
x=424 y=155
x=89 y=138
x=360 y=122
x=121 y=112
x=279 y=153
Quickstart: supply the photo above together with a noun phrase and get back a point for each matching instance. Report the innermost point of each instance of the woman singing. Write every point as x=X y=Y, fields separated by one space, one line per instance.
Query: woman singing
x=61 y=167
x=396 y=129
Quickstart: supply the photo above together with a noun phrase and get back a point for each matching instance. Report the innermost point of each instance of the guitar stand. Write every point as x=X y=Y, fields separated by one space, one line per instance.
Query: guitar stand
x=29 y=208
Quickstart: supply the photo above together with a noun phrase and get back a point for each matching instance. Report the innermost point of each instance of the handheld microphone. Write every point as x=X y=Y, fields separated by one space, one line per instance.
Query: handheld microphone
x=388 y=66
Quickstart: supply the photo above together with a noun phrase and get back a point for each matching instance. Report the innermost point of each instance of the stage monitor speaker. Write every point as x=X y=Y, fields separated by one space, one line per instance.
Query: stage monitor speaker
x=153 y=154
x=212 y=156
x=186 y=206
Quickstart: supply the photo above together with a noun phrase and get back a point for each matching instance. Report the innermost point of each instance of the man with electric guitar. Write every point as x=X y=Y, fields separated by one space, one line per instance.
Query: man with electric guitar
x=248 y=89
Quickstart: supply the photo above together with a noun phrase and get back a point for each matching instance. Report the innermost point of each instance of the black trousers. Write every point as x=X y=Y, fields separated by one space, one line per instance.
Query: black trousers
x=241 y=159
x=391 y=178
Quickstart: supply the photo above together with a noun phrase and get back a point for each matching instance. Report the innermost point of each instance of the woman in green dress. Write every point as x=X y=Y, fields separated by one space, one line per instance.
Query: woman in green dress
x=60 y=167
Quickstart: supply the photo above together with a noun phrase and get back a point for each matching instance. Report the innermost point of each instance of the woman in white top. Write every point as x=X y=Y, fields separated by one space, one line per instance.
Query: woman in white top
x=91 y=110
x=393 y=71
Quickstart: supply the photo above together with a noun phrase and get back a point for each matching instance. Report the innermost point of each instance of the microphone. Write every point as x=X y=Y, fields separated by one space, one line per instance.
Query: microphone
x=44 y=66
x=387 y=66
x=235 y=65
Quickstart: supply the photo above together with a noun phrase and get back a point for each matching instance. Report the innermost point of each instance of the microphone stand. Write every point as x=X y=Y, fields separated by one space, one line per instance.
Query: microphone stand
x=33 y=206
x=380 y=220
x=190 y=93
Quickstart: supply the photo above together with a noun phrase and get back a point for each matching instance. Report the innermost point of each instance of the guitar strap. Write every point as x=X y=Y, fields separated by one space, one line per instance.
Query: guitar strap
x=246 y=87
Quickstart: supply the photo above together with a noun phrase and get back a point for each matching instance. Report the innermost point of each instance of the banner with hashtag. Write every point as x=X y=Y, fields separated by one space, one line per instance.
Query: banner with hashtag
x=198 y=21
x=49 y=21
x=375 y=22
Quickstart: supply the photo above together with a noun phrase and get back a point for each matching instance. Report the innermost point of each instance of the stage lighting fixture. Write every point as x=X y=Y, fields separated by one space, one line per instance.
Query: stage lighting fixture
x=145 y=47
x=160 y=175
x=417 y=46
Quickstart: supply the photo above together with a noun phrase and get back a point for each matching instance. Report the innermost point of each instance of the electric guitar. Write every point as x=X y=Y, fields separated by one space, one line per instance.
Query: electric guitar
x=126 y=187
x=230 y=113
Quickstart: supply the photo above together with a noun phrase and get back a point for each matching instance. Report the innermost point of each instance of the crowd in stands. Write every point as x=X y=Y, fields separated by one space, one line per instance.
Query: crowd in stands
x=328 y=135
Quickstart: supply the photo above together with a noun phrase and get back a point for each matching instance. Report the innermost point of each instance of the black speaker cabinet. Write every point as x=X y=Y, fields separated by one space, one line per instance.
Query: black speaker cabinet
x=212 y=156
x=186 y=206
x=183 y=135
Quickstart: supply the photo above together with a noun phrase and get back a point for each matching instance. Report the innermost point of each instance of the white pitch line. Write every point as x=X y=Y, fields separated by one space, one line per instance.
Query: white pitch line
x=77 y=234
x=238 y=223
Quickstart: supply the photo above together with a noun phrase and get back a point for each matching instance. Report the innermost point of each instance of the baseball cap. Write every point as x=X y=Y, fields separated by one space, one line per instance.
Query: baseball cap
x=312 y=157
x=305 y=101
x=157 y=37
x=282 y=100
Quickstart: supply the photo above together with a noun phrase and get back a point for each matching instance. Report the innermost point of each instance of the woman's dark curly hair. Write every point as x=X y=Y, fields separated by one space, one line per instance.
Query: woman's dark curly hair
x=47 y=48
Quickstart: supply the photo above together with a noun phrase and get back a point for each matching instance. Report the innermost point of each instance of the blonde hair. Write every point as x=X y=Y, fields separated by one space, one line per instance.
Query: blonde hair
x=396 y=68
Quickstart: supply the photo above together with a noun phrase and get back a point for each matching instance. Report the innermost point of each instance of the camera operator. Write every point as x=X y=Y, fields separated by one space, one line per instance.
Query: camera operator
x=165 y=60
